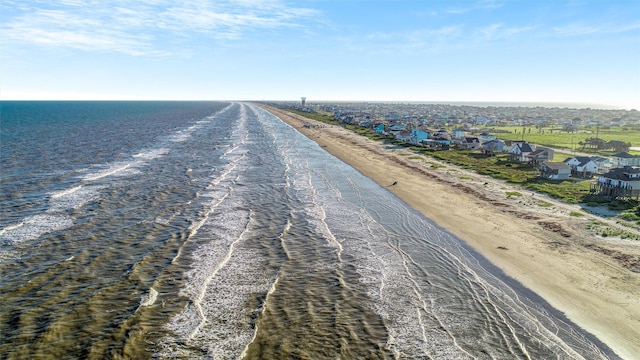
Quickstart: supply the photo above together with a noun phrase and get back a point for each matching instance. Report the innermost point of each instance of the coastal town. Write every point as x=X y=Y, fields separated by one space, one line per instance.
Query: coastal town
x=594 y=153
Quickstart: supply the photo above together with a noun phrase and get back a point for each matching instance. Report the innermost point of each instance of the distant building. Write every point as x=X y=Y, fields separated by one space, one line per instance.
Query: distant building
x=457 y=134
x=484 y=137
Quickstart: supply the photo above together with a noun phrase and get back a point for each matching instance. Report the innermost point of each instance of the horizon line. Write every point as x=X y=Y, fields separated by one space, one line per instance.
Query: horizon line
x=477 y=103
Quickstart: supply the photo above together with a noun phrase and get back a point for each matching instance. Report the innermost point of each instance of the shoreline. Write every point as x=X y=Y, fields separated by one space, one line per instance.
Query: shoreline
x=593 y=281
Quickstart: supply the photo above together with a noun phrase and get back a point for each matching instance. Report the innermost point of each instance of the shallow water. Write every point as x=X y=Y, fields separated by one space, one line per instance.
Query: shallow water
x=214 y=230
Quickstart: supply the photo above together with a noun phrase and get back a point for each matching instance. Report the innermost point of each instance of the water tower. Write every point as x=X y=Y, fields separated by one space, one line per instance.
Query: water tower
x=304 y=99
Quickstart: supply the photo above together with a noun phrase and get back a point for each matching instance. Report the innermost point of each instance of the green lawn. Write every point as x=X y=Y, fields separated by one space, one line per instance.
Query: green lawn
x=562 y=139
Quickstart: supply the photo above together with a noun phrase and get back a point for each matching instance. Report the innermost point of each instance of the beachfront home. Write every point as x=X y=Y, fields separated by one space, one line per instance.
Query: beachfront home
x=623 y=159
x=404 y=136
x=493 y=146
x=582 y=166
x=469 y=143
x=418 y=135
x=379 y=128
x=555 y=170
x=520 y=149
x=539 y=155
x=621 y=182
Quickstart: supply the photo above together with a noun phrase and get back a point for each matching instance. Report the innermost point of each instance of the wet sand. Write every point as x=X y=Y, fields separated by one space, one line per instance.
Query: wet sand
x=594 y=281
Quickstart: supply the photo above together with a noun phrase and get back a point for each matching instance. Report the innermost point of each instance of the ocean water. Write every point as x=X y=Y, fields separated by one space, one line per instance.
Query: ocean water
x=212 y=230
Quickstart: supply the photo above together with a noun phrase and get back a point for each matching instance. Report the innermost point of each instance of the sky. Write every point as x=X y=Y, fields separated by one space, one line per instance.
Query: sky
x=558 y=51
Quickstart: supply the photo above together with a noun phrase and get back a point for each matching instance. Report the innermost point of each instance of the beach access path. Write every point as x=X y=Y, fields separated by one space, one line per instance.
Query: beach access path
x=594 y=281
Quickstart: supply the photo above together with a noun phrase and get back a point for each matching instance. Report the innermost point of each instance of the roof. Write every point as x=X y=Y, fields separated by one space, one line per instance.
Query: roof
x=599 y=159
x=525 y=147
x=537 y=152
x=625 y=155
x=556 y=165
x=621 y=173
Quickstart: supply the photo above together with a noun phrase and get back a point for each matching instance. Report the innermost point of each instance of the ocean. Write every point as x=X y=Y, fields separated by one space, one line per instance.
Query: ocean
x=202 y=230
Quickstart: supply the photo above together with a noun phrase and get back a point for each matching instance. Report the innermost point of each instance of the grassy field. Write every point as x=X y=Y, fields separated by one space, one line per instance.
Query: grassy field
x=561 y=139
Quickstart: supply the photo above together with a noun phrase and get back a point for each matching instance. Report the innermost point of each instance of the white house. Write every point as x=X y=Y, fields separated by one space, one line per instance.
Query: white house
x=619 y=182
x=555 y=170
x=582 y=165
x=519 y=150
x=623 y=159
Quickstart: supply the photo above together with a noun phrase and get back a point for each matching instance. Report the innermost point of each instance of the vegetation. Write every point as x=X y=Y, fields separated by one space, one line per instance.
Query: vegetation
x=572 y=140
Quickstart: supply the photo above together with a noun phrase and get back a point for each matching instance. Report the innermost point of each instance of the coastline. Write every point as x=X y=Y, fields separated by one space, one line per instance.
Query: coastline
x=594 y=281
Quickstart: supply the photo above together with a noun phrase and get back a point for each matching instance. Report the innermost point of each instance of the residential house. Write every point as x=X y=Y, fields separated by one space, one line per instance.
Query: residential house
x=493 y=146
x=519 y=150
x=365 y=123
x=555 y=170
x=484 y=137
x=623 y=159
x=379 y=128
x=619 y=182
x=582 y=166
x=397 y=128
x=439 y=140
x=404 y=136
x=540 y=155
x=603 y=163
x=418 y=135
x=470 y=143
x=442 y=133
x=457 y=134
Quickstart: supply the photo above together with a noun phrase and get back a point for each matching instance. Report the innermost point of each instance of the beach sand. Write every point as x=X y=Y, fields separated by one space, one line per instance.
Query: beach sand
x=594 y=281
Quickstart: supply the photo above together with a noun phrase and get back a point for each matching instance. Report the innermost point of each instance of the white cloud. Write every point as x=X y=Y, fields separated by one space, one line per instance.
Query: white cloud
x=139 y=27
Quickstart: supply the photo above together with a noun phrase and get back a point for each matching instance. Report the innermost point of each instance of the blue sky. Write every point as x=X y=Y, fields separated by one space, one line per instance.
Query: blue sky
x=377 y=50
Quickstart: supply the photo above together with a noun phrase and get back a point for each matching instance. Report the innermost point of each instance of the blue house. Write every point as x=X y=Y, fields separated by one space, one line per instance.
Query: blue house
x=418 y=135
x=379 y=129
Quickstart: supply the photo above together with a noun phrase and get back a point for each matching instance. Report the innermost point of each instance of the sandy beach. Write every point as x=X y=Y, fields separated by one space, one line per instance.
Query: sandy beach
x=593 y=280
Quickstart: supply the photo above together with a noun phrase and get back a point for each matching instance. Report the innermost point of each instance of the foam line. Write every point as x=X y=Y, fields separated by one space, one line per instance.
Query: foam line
x=65 y=192
x=197 y=225
x=106 y=173
x=12 y=227
x=198 y=300
x=272 y=289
